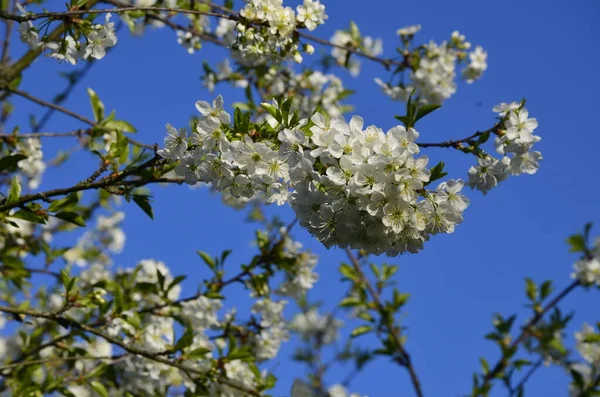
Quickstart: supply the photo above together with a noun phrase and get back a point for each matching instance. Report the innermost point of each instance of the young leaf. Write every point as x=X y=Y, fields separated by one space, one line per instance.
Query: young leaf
x=425 y=110
x=71 y=217
x=14 y=191
x=65 y=203
x=29 y=216
x=10 y=162
x=143 y=202
x=361 y=330
x=97 y=105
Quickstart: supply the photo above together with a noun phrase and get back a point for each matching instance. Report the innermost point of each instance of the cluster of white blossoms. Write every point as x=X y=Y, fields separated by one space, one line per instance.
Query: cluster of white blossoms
x=434 y=77
x=588 y=346
x=309 y=89
x=273 y=328
x=93 y=244
x=353 y=39
x=97 y=38
x=301 y=276
x=33 y=166
x=587 y=270
x=515 y=141
x=265 y=29
x=311 y=324
x=349 y=185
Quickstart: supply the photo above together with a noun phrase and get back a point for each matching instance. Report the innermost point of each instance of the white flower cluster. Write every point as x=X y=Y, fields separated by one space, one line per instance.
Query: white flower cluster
x=265 y=30
x=33 y=166
x=349 y=186
x=340 y=391
x=311 y=324
x=97 y=39
x=435 y=74
x=308 y=90
x=273 y=328
x=587 y=270
x=477 y=65
x=91 y=245
x=352 y=38
x=589 y=348
x=224 y=73
x=514 y=141
x=301 y=277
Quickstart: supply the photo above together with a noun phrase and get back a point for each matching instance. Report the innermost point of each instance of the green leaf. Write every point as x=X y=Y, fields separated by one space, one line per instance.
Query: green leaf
x=485 y=367
x=10 y=162
x=437 y=172
x=577 y=243
x=29 y=216
x=143 y=202
x=361 y=330
x=425 y=110
x=345 y=93
x=97 y=105
x=546 y=289
x=186 y=339
x=71 y=217
x=350 y=301
x=272 y=110
x=176 y=281
x=120 y=148
x=120 y=125
x=99 y=388
x=207 y=258
x=404 y=119
x=14 y=191
x=198 y=353
x=14 y=84
x=531 y=289
x=65 y=203
x=348 y=272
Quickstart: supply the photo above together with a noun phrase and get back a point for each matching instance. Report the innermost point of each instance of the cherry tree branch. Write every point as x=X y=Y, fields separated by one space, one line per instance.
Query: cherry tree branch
x=67 y=322
x=69 y=113
x=406 y=359
x=526 y=330
x=458 y=142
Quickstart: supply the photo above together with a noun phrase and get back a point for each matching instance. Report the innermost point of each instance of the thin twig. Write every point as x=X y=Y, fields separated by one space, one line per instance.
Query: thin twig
x=501 y=364
x=406 y=359
x=69 y=113
x=528 y=375
x=67 y=322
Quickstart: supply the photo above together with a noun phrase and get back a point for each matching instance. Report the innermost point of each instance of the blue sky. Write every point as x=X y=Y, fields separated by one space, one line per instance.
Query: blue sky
x=547 y=54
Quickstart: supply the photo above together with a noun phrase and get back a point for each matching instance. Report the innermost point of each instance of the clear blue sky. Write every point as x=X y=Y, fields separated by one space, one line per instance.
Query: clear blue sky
x=546 y=53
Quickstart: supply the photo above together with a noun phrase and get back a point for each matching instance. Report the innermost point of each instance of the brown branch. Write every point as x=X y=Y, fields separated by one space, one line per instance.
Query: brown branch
x=4 y=57
x=121 y=8
x=31 y=270
x=229 y=281
x=406 y=359
x=104 y=183
x=67 y=322
x=525 y=332
x=528 y=375
x=57 y=360
x=76 y=133
x=74 y=115
x=458 y=143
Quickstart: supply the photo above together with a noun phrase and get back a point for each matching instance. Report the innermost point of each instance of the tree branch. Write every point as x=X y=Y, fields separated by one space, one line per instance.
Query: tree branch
x=407 y=362
x=501 y=364
x=69 y=113
x=67 y=322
